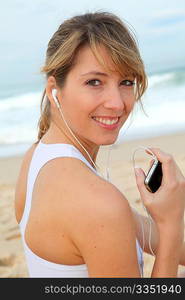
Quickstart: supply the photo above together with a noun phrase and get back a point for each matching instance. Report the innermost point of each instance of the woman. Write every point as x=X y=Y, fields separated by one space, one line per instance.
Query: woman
x=73 y=222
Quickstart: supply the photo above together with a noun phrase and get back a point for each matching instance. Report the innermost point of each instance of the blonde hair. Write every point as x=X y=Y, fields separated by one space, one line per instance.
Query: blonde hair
x=92 y=29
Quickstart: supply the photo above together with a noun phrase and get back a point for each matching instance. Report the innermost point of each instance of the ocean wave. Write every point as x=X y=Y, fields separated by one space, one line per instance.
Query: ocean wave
x=167 y=78
x=20 y=102
x=164 y=104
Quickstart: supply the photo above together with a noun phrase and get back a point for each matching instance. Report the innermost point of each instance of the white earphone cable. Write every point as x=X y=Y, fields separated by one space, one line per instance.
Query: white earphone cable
x=149 y=216
x=94 y=164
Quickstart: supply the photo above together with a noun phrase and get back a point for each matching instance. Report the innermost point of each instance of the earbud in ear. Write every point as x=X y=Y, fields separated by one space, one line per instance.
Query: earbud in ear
x=54 y=93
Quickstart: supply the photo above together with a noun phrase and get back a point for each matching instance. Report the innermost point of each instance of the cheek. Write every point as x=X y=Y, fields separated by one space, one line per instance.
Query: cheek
x=129 y=103
x=132 y=104
x=78 y=110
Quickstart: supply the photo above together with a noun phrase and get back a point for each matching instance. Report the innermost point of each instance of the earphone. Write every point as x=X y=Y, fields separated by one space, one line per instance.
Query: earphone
x=143 y=148
x=54 y=94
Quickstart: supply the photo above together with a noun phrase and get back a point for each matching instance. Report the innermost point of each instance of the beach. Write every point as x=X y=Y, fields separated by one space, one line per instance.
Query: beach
x=12 y=259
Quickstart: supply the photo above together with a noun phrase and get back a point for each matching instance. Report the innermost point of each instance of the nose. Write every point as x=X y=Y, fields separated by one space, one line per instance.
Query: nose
x=114 y=100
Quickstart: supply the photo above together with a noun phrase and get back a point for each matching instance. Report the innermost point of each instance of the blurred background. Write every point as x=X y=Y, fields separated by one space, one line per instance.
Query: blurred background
x=26 y=28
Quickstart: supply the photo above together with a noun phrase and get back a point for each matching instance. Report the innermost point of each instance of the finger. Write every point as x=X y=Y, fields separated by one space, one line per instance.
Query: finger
x=169 y=168
x=140 y=177
x=151 y=162
x=150 y=165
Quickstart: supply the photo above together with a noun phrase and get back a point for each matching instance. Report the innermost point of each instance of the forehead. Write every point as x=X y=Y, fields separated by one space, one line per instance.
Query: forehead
x=101 y=61
x=86 y=61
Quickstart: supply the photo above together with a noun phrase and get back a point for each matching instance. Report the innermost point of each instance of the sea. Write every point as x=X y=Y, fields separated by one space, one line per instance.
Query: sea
x=163 y=103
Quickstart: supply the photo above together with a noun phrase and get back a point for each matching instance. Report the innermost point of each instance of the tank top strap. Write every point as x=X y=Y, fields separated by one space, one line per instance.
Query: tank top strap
x=63 y=150
x=42 y=154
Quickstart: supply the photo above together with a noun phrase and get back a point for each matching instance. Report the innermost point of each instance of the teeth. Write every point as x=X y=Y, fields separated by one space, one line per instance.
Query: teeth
x=106 y=121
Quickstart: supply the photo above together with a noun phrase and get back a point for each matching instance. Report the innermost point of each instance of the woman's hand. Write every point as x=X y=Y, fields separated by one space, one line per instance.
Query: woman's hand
x=167 y=204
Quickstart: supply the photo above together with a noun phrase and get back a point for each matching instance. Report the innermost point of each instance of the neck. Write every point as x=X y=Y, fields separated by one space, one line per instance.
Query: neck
x=56 y=134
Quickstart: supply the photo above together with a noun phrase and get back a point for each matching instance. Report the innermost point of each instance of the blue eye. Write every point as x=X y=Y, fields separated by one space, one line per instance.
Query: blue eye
x=128 y=82
x=93 y=82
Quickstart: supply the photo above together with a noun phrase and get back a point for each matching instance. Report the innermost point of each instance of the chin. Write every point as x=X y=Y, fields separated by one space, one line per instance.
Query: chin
x=107 y=141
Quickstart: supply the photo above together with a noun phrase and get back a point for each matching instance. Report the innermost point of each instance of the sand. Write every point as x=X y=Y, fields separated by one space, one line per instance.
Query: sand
x=12 y=259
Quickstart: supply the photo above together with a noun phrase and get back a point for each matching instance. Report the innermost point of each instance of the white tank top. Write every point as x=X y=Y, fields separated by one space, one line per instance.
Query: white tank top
x=37 y=266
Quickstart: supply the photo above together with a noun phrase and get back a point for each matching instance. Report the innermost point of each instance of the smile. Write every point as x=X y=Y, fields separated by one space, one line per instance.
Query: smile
x=108 y=122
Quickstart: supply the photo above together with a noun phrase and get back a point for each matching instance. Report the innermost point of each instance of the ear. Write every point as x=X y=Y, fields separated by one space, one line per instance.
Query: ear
x=50 y=85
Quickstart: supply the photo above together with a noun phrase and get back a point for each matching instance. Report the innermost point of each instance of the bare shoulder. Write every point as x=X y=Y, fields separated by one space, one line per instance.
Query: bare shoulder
x=99 y=221
x=79 y=180
x=27 y=157
x=85 y=192
x=20 y=190
x=98 y=200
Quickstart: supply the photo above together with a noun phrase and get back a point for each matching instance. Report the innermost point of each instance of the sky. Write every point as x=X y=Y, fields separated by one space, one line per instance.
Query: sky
x=27 y=26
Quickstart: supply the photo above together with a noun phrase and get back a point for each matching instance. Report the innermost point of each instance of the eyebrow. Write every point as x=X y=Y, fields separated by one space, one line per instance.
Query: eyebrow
x=95 y=73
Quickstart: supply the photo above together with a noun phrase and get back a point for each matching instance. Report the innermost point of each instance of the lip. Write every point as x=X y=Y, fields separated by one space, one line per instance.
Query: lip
x=106 y=126
x=107 y=117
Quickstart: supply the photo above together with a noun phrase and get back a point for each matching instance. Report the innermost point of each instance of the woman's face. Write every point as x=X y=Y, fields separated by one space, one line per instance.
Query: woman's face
x=95 y=102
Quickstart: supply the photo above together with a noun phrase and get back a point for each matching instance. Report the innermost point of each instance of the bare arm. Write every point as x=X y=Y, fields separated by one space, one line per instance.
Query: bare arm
x=150 y=238
x=166 y=206
x=146 y=232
